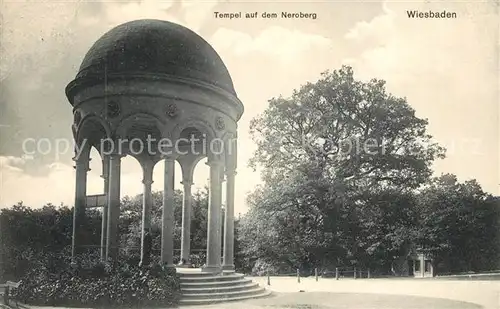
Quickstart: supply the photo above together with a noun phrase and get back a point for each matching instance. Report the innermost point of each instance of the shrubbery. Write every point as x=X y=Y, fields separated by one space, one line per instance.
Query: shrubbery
x=263 y=267
x=198 y=259
x=100 y=285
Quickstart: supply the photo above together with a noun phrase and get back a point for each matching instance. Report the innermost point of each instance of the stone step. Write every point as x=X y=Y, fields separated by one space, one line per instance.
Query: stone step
x=207 y=274
x=216 y=294
x=195 y=274
x=219 y=289
x=208 y=301
x=230 y=277
x=215 y=284
x=198 y=274
x=228 y=272
x=224 y=297
x=204 y=288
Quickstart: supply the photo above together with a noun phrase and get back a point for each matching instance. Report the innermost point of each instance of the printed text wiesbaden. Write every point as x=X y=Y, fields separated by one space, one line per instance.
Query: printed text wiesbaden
x=431 y=14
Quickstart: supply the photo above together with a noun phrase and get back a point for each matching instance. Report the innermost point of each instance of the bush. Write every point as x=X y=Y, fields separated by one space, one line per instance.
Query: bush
x=198 y=259
x=99 y=285
x=263 y=267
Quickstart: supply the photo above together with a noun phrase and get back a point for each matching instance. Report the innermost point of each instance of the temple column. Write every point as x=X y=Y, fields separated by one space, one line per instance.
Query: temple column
x=113 y=207
x=213 y=263
x=147 y=201
x=104 y=227
x=186 y=223
x=81 y=167
x=228 y=263
x=167 y=230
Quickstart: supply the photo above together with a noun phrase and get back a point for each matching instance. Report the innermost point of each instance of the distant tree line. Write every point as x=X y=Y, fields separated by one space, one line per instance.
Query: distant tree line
x=456 y=224
x=29 y=235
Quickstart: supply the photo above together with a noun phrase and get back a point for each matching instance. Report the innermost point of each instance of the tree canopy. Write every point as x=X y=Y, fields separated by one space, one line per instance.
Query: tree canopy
x=458 y=224
x=345 y=131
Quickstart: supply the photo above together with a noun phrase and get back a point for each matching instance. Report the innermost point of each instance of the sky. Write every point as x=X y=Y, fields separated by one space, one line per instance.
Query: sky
x=446 y=68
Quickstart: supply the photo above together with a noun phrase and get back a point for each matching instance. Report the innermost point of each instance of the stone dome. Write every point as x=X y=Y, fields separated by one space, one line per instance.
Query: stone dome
x=152 y=47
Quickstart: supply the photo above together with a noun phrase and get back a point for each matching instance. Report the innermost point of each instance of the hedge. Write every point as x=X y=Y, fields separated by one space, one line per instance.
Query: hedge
x=95 y=284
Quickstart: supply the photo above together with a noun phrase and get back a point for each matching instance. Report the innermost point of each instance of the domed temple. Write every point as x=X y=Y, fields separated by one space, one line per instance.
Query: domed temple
x=156 y=90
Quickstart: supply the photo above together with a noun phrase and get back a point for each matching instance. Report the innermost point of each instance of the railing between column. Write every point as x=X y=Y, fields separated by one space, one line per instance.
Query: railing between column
x=316 y=274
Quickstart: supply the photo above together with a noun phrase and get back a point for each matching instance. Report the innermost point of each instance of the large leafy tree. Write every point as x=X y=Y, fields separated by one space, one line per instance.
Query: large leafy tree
x=333 y=156
x=345 y=130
